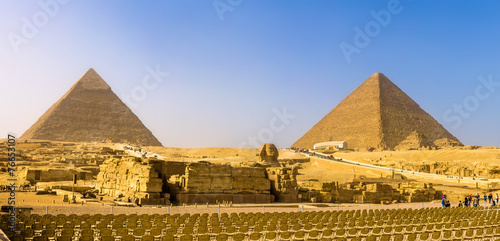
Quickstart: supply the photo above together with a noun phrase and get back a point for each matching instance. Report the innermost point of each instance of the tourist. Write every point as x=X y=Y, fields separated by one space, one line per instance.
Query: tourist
x=493 y=203
x=466 y=202
x=443 y=201
x=447 y=204
x=490 y=197
x=485 y=199
x=497 y=197
x=460 y=203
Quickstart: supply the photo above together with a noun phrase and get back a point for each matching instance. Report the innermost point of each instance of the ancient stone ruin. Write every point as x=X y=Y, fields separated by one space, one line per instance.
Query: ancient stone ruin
x=132 y=180
x=269 y=155
x=204 y=182
x=366 y=191
x=152 y=181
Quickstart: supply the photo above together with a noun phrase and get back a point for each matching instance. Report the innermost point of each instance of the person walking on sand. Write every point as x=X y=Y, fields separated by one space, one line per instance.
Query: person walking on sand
x=497 y=198
x=490 y=197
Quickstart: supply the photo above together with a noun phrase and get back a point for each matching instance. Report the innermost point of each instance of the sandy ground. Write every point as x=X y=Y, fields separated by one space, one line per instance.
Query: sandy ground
x=43 y=204
x=329 y=171
x=489 y=155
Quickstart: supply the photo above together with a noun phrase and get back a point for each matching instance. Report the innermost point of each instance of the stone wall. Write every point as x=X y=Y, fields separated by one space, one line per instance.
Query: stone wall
x=283 y=183
x=153 y=181
x=365 y=192
x=205 y=182
x=49 y=174
x=132 y=180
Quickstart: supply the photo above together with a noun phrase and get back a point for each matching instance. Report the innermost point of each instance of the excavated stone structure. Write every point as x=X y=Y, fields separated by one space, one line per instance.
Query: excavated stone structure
x=204 y=182
x=152 y=181
x=283 y=183
x=132 y=180
x=366 y=191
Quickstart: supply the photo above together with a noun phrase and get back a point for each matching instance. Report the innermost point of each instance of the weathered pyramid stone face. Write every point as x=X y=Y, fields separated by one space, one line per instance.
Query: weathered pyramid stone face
x=376 y=115
x=90 y=111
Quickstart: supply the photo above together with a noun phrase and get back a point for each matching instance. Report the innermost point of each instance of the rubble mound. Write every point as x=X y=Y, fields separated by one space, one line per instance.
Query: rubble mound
x=414 y=141
x=446 y=143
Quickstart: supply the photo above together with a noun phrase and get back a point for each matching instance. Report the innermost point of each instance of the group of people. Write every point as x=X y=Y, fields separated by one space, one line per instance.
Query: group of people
x=475 y=202
x=445 y=202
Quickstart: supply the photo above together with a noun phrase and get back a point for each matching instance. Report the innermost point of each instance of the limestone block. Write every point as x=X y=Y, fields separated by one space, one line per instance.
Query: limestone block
x=248 y=172
x=198 y=184
x=221 y=183
x=220 y=170
x=261 y=184
x=198 y=169
x=242 y=183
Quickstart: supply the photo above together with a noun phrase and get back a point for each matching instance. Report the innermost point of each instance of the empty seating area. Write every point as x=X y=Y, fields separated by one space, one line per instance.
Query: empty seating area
x=371 y=225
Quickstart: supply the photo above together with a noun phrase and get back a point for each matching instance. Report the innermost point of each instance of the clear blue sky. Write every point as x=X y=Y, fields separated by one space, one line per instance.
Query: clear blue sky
x=231 y=69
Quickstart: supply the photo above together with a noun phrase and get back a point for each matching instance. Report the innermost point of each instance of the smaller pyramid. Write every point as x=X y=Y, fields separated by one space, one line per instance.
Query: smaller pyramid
x=91 y=112
x=414 y=141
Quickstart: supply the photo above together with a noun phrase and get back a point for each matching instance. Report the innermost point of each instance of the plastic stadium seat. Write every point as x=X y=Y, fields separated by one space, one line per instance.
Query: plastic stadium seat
x=64 y=238
x=239 y=237
x=107 y=238
x=128 y=238
x=204 y=237
x=155 y=232
x=371 y=238
x=286 y=235
x=270 y=236
x=168 y=237
x=86 y=238
x=221 y=237
x=299 y=235
x=436 y=235
x=424 y=236
x=385 y=238
x=147 y=238
x=327 y=233
x=41 y=238
x=186 y=237
x=255 y=236
x=49 y=233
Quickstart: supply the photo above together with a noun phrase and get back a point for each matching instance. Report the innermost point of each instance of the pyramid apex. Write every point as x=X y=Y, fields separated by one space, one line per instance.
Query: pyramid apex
x=378 y=75
x=91 y=80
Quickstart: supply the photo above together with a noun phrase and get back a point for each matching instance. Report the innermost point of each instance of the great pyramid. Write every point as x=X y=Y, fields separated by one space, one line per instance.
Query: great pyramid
x=90 y=111
x=376 y=115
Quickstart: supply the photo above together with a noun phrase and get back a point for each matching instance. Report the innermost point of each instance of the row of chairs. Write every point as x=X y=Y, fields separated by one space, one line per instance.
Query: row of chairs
x=343 y=224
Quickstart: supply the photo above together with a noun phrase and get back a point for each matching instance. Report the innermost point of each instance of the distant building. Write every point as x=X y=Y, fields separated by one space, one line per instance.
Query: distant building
x=336 y=144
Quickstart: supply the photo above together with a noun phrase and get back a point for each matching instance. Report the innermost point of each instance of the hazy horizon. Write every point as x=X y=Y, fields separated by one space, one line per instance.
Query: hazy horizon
x=235 y=67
